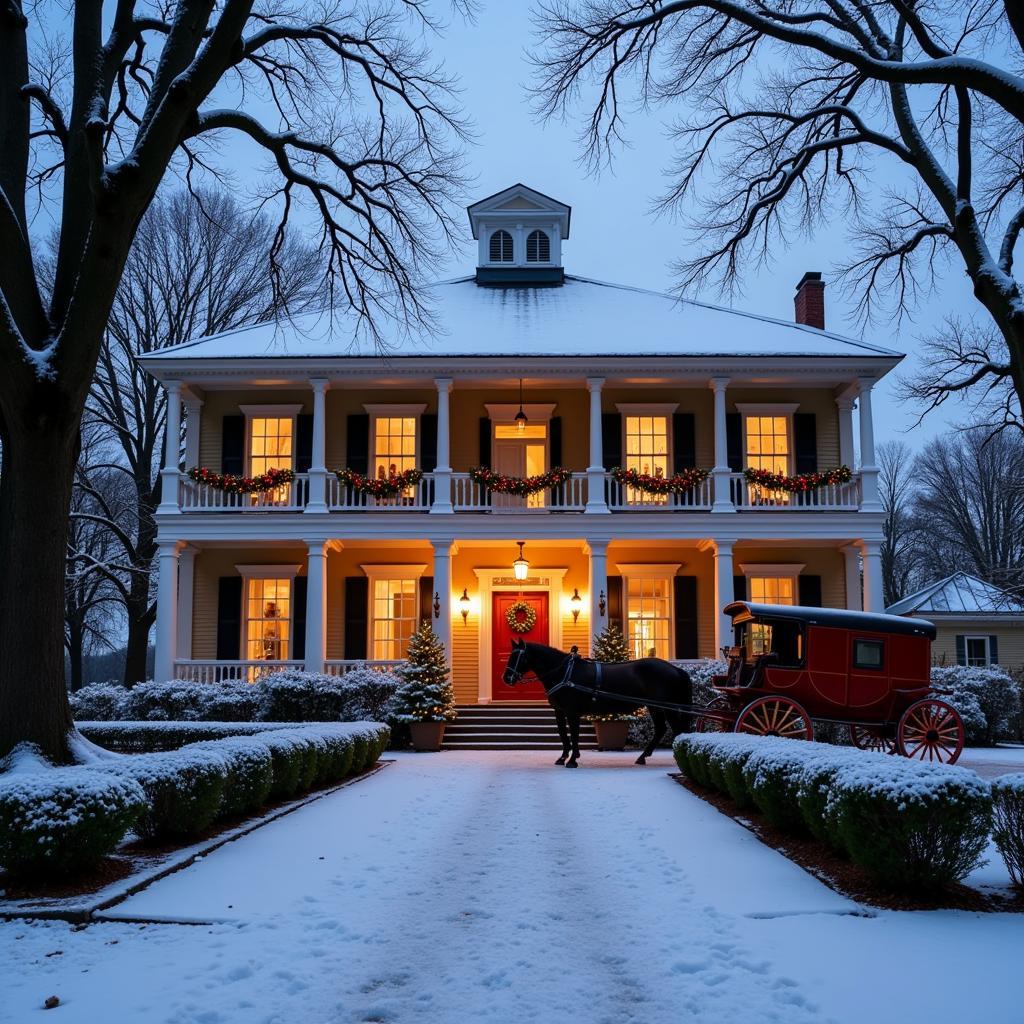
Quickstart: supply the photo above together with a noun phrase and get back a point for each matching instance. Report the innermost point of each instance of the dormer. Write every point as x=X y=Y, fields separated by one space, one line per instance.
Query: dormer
x=519 y=234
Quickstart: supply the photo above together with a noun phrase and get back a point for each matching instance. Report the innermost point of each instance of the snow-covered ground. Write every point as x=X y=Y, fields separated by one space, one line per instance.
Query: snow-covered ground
x=491 y=887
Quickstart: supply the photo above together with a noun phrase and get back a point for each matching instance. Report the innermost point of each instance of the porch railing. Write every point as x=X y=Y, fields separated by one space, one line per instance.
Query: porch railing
x=345 y=498
x=622 y=498
x=193 y=497
x=833 y=497
x=215 y=671
x=469 y=496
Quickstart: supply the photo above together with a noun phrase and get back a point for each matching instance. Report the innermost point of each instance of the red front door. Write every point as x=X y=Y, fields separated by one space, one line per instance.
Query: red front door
x=531 y=687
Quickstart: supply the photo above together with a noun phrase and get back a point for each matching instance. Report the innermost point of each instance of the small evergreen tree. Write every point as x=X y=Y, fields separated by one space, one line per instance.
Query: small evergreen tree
x=610 y=645
x=425 y=693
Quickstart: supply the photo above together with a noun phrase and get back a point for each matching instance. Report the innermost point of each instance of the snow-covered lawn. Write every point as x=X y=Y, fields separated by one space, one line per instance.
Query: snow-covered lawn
x=492 y=887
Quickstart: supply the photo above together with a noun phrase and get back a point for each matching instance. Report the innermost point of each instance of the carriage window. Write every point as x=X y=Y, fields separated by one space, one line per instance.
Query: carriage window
x=868 y=653
x=783 y=639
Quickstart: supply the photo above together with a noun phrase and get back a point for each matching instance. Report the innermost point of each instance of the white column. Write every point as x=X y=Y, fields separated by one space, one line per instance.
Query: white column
x=166 y=610
x=443 y=470
x=193 y=409
x=595 y=471
x=846 y=453
x=721 y=472
x=186 y=584
x=874 y=592
x=316 y=500
x=724 y=594
x=316 y=606
x=172 y=449
x=597 y=582
x=443 y=551
x=868 y=470
x=854 y=597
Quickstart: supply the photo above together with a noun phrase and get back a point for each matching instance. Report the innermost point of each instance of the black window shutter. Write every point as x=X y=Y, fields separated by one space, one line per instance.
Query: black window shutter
x=684 y=441
x=232 y=445
x=428 y=442
x=484 y=428
x=427 y=599
x=805 y=442
x=357 y=592
x=229 y=617
x=616 y=605
x=304 y=443
x=810 y=590
x=611 y=439
x=993 y=650
x=961 y=650
x=739 y=588
x=734 y=441
x=555 y=440
x=300 y=592
x=686 y=616
x=357 y=442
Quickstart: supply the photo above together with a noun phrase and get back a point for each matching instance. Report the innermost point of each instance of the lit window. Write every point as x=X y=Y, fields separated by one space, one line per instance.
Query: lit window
x=648 y=617
x=646 y=452
x=521 y=453
x=538 y=248
x=395 y=604
x=772 y=589
x=501 y=247
x=270 y=443
x=268 y=619
x=768 y=443
x=394 y=445
x=976 y=651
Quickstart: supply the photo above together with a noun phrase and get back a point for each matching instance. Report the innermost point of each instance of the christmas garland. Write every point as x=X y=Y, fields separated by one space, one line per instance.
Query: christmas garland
x=269 y=481
x=525 y=624
x=390 y=486
x=518 y=485
x=649 y=484
x=801 y=483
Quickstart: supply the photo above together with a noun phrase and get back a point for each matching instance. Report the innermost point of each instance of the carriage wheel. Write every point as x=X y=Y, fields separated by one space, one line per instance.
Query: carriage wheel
x=775 y=716
x=702 y=723
x=864 y=737
x=930 y=730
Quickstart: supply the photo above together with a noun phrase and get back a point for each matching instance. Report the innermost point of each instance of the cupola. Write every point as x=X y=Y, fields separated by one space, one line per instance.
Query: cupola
x=519 y=234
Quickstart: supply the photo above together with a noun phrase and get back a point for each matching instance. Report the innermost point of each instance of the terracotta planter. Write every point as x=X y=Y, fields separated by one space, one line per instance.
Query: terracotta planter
x=611 y=735
x=427 y=735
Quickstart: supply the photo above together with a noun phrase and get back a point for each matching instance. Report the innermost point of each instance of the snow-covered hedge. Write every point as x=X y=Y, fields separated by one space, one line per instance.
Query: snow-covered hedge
x=988 y=700
x=910 y=825
x=146 y=737
x=1008 y=832
x=250 y=772
x=54 y=821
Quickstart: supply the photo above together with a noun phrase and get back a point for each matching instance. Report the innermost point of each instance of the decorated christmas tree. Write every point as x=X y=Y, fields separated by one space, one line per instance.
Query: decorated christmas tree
x=425 y=694
x=610 y=645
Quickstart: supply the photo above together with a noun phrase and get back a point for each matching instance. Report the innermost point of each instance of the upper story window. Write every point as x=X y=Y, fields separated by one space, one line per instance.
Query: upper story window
x=647 y=447
x=501 y=247
x=768 y=443
x=394 y=445
x=271 y=443
x=538 y=247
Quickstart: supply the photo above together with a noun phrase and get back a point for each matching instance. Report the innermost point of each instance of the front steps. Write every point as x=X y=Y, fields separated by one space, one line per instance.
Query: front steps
x=509 y=727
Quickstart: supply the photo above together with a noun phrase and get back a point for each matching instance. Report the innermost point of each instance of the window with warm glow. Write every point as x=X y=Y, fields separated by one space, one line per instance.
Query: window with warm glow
x=533 y=458
x=270 y=443
x=646 y=452
x=768 y=590
x=268 y=619
x=395 y=605
x=394 y=445
x=768 y=443
x=649 y=617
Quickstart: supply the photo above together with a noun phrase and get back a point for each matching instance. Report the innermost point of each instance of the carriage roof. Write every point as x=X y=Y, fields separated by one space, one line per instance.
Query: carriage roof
x=837 y=618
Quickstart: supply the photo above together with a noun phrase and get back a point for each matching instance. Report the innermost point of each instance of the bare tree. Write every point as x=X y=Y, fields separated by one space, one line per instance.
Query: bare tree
x=357 y=127
x=790 y=105
x=896 y=490
x=198 y=266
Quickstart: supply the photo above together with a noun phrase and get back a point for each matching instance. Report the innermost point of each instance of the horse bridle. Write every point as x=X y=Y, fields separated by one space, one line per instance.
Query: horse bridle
x=517 y=673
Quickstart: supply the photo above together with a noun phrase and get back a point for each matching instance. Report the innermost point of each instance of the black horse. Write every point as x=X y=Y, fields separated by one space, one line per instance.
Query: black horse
x=577 y=686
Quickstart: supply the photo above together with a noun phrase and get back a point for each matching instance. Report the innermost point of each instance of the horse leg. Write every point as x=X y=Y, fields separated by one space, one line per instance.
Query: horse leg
x=658 y=718
x=574 y=729
x=563 y=734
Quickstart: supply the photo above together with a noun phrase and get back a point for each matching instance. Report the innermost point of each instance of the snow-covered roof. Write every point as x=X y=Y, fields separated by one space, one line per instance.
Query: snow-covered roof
x=959 y=594
x=583 y=317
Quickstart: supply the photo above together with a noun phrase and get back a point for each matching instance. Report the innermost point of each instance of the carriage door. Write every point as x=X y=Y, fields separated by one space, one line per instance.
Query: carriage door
x=502 y=635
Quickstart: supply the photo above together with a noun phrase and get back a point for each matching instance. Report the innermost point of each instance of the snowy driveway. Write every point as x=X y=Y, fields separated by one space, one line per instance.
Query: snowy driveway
x=484 y=887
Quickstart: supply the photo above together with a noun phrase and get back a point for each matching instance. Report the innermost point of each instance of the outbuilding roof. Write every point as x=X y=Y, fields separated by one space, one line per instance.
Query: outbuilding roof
x=959 y=594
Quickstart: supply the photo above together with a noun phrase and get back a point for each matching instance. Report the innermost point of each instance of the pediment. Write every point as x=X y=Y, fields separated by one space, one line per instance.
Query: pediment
x=523 y=200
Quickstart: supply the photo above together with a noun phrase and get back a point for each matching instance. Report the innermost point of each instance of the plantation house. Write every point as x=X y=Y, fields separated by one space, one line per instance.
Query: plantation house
x=530 y=369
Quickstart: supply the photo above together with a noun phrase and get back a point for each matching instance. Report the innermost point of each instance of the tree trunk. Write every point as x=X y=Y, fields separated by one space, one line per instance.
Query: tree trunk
x=39 y=455
x=75 y=652
x=140 y=621
x=139 y=606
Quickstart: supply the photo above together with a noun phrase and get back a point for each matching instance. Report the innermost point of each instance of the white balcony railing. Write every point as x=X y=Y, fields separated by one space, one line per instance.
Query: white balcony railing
x=469 y=496
x=621 y=498
x=210 y=670
x=345 y=498
x=833 y=497
x=193 y=497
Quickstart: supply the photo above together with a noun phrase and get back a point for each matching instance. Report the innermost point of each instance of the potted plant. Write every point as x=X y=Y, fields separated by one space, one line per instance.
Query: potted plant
x=424 y=698
x=612 y=729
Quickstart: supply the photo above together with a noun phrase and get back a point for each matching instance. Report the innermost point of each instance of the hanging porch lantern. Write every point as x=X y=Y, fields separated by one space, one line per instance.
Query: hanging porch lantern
x=521 y=567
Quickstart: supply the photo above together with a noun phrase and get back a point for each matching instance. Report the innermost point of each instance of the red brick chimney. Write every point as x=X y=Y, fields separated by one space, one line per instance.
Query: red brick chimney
x=810 y=300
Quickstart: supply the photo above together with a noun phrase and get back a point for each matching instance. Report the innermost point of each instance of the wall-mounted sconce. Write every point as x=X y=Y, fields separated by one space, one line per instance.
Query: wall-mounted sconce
x=437 y=605
x=575 y=600
x=601 y=604
x=464 y=605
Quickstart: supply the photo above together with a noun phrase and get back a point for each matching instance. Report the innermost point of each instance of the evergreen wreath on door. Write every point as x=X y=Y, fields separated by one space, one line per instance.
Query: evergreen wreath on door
x=524 y=623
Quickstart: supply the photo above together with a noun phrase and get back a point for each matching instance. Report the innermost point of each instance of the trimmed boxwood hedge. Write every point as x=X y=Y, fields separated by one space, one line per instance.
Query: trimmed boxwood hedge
x=1008 y=833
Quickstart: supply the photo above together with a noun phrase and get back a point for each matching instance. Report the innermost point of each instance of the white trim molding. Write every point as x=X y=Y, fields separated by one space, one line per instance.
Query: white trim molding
x=772 y=568
x=505 y=412
x=394 y=572
x=269 y=572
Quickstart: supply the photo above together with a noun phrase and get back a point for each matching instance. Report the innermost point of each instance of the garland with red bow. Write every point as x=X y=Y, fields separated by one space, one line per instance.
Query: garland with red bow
x=390 y=486
x=521 y=486
x=799 y=484
x=269 y=481
x=650 y=484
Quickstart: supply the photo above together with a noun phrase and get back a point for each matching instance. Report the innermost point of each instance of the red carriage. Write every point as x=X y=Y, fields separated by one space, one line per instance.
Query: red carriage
x=792 y=666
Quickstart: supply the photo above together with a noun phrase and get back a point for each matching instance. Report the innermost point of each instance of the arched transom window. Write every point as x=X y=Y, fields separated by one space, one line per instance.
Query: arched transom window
x=538 y=248
x=501 y=247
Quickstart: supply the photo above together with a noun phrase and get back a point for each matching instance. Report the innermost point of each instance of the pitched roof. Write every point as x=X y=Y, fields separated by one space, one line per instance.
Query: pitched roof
x=959 y=594
x=583 y=317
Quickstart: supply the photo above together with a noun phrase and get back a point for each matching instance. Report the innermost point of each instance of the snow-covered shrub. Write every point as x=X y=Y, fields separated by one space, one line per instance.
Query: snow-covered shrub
x=288 y=752
x=701 y=674
x=299 y=697
x=55 y=821
x=334 y=758
x=184 y=791
x=1008 y=830
x=911 y=825
x=148 y=737
x=727 y=761
x=100 y=702
x=812 y=791
x=367 y=694
x=250 y=772
x=772 y=776
x=987 y=699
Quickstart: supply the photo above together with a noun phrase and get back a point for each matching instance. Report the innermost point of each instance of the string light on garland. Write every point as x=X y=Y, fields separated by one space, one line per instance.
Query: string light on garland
x=679 y=483
x=521 y=486
x=799 y=484
x=390 y=486
x=231 y=484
